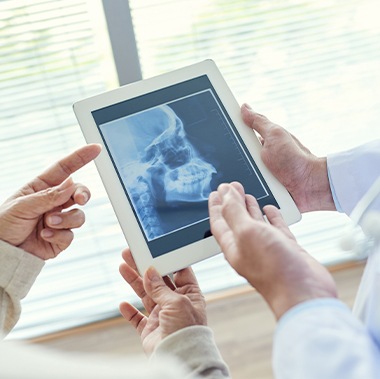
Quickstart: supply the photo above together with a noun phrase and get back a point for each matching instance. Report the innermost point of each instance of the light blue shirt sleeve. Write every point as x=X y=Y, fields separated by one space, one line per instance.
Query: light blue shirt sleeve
x=322 y=339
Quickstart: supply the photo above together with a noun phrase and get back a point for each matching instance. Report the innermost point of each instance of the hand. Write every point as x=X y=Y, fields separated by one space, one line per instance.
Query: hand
x=302 y=173
x=170 y=306
x=33 y=218
x=266 y=254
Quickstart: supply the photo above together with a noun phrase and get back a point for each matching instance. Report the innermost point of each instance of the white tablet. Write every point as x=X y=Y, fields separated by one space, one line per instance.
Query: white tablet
x=169 y=141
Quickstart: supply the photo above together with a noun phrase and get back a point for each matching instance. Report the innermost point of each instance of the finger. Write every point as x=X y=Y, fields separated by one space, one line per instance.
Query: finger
x=61 y=238
x=80 y=196
x=36 y=204
x=251 y=203
x=133 y=279
x=218 y=225
x=214 y=200
x=275 y=218
x=128 y=258
x=255 y=121
x=62 y=169
x=184 y=277
x=133 y=316
x=156 y=288
x=72 y=219
x=239 y=187
x=253 y=207
x=233 y=207
x=235 y=187
x=136 y=282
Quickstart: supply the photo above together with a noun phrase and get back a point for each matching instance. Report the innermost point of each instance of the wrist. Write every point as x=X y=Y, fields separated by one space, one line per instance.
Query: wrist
x=297 y=282
x=318 y=192
x=283 y=305
x=289 y=296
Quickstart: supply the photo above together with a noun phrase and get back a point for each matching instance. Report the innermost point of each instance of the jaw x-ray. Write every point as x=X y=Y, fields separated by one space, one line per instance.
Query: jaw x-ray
x=169 y=156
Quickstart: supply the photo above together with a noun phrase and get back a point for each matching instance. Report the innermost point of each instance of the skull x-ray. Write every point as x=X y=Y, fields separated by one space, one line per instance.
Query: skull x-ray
x=170 y=150
x=160 y=168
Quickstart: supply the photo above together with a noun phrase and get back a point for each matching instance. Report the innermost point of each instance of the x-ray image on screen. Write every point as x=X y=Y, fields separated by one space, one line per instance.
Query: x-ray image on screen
x=161 y=169
x=170 y=149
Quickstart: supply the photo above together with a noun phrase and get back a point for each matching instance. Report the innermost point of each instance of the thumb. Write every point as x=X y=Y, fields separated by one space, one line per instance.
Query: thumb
x=156 y=288
x=38 y=203
x=254 y=120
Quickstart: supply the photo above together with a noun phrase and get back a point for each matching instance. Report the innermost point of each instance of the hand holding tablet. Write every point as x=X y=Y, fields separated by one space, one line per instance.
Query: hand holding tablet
x=168 y=142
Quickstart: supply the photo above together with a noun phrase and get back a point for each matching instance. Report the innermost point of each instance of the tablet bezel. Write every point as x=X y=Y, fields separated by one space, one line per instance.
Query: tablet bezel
x=204 y=248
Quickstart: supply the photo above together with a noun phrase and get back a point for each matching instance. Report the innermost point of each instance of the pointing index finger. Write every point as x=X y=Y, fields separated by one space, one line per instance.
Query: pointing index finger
x=66 y=166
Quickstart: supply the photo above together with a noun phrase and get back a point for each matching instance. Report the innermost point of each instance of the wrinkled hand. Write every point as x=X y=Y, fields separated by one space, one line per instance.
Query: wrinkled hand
x=34 y=218
x=171 y=306
x=303 y=174
x=265 y=253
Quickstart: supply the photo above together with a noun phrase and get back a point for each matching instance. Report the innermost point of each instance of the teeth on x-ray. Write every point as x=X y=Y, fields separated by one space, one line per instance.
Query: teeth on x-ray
x=170 y=167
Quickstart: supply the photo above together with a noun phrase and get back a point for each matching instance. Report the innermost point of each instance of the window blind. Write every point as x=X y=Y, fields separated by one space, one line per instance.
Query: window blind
x=52 y=56
x=313 y=67
x=310 y=66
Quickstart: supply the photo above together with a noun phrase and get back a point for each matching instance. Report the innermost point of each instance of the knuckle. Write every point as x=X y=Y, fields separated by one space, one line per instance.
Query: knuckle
x=277 y=131
x=50 y=193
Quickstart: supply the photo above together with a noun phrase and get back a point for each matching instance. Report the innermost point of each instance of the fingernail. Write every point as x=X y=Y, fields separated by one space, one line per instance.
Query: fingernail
x=247 y=106
x=153 y=274
x=223 y=189
x=47 y=233
x=85 y=197
x=55 y=220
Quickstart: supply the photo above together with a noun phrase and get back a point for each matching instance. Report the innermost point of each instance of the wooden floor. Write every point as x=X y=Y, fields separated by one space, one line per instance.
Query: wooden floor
x=242 y=323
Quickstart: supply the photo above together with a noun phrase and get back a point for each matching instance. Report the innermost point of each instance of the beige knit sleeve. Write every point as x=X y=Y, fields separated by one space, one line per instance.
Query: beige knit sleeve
x=18 y=271
x=195 y=348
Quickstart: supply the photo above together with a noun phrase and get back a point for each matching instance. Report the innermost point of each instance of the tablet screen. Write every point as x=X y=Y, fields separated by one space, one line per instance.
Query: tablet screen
x=170 y=149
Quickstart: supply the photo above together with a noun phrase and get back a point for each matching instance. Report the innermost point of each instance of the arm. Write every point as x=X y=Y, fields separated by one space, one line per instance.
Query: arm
x=183 y=354
x=337 y=181
x=20 y=360
x=18 y=271
x=317 y=336
x=35 y=225
x=265 y=253
x=322 y=339
x=176 y=322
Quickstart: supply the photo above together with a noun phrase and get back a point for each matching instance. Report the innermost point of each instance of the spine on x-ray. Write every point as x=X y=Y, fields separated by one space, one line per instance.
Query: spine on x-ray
x=144 y=204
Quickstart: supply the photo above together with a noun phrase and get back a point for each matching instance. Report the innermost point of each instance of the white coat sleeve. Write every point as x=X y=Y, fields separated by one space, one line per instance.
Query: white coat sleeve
x=322 y=339
x=351 y=174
